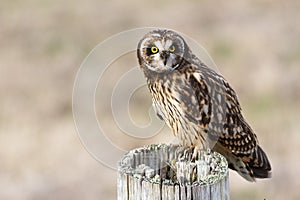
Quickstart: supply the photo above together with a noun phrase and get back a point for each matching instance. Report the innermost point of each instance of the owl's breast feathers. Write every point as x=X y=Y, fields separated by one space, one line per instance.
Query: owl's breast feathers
x=176 y=103
x=199 y=105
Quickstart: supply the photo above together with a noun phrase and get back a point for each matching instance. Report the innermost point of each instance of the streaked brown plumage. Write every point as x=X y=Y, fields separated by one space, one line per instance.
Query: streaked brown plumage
x=198 y=104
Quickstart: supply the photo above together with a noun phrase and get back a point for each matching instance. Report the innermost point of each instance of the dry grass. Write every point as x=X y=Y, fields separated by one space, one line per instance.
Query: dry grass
x=255 y=45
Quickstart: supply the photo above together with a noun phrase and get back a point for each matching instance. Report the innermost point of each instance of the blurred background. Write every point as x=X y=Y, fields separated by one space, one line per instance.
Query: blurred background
x=255 y=45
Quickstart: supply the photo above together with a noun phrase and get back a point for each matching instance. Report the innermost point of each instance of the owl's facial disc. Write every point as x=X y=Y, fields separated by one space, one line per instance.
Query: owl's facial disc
x=162 y=54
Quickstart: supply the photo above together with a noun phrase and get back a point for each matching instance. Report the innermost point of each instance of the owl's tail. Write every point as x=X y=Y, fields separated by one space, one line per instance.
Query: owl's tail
x=258 y=165
x=249 y=167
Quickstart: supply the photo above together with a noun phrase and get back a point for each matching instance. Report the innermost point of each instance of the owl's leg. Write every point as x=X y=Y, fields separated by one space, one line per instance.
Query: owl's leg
x=196 y=151
x=185 y=154
x=185 y=165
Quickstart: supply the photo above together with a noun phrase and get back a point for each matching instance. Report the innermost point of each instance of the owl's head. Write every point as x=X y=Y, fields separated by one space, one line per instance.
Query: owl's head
x=161 y=50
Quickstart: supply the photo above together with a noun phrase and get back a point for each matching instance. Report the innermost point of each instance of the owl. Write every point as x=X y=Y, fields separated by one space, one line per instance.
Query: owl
x=198 y=104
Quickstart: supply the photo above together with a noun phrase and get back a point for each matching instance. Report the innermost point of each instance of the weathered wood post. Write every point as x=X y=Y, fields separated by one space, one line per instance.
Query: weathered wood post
x=155 y=172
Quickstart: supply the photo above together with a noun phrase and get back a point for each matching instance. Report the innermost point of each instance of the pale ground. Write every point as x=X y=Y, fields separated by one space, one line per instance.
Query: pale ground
x=42 y=44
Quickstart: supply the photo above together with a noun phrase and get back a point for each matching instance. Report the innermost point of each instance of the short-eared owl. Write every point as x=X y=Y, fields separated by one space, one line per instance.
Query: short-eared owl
x=198 y=104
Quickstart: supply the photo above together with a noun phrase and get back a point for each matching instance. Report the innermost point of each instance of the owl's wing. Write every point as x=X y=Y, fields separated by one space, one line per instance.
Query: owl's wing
x=234 y=136
x=225 y=119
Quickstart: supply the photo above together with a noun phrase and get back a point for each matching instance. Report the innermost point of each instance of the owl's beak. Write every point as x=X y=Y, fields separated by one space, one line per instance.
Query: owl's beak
x=165 y=56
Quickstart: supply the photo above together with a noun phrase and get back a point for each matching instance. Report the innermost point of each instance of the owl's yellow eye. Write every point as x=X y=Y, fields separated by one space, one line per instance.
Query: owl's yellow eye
x=172 y=49
x=154 y=49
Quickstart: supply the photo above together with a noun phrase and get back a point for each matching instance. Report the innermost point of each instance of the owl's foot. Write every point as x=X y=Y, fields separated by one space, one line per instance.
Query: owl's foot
x=196 y=152
x=191 y=153
x=188 y=153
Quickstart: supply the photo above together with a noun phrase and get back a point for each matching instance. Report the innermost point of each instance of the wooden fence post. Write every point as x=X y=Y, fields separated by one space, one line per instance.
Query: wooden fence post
x=155 y=172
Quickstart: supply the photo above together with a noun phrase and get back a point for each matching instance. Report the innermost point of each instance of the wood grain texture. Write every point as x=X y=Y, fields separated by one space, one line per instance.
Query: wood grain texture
x=147 y=173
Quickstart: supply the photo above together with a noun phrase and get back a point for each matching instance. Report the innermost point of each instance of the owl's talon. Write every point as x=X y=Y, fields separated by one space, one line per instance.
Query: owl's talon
x=195 y=153
x=188 y=154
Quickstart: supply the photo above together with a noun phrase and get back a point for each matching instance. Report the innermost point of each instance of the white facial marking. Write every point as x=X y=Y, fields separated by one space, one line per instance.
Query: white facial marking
x=159 y=45
x=171 y=59
x=156 y=56
x=168 y=44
